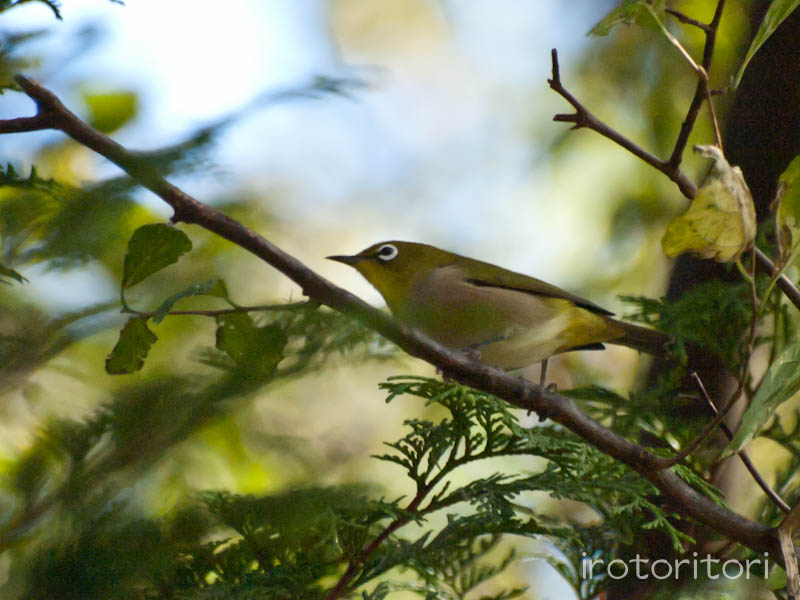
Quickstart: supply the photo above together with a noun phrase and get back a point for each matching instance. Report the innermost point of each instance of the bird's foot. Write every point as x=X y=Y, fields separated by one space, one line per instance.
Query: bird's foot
x=542 y=413
x=550 y=388
x=472 y=352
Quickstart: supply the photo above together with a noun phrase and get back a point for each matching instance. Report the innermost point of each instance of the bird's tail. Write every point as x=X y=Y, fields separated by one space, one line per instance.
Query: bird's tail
x=642 y=339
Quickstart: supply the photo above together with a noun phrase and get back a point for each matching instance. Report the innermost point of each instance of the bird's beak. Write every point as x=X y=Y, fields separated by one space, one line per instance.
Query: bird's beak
x=348 y=260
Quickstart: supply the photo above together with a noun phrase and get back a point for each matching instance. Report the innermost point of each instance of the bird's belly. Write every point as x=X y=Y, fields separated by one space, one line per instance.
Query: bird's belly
x=511 y=329
x=523 y=348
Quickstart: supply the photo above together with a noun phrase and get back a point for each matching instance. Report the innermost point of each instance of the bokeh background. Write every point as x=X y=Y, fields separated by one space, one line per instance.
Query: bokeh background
x=326 y=126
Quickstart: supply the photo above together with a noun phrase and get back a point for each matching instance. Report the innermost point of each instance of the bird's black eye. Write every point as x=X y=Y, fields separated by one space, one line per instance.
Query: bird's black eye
x=387 y=252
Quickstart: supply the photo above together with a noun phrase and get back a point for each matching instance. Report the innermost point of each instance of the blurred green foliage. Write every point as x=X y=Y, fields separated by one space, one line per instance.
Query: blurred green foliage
x=108 y=111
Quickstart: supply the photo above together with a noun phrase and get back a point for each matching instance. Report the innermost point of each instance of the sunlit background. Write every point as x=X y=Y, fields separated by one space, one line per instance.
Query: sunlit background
x=440 y=130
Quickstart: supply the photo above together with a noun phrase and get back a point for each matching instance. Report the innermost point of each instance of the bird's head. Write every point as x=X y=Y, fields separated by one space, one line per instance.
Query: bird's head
x=394 y=267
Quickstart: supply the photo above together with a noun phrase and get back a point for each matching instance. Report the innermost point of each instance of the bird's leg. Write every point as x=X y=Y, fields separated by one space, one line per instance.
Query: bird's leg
x=551 y=388
x=542 y=414
x=473 y=352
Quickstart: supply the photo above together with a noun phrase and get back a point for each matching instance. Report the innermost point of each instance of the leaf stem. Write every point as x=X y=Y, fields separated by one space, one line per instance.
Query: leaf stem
x=223 y=311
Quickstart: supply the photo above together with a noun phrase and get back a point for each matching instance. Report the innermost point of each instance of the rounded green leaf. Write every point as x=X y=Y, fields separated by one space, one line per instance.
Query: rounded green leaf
x=152 y=248
x=132 y=347
x=258 y=350
x=111 y=110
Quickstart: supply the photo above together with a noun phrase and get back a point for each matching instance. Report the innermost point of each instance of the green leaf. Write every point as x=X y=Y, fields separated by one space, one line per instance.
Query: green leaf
x=11 y=273
x=110 y=111
x=214 y=287
x=776 y=13
x=787 y=213
x=219 y=289
x=720 y=223
x=629 y=12
x=152 y=248
x=781 y=382
x=257 y=350
x=132 y=347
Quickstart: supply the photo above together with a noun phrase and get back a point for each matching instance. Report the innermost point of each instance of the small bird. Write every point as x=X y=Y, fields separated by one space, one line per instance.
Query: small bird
x=510 y=319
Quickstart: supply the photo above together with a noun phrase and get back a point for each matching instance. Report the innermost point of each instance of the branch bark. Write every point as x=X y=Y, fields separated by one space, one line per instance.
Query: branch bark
x=516 y=391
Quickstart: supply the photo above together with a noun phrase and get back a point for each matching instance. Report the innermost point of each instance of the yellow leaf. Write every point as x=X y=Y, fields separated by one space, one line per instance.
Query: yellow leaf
x=720 y=223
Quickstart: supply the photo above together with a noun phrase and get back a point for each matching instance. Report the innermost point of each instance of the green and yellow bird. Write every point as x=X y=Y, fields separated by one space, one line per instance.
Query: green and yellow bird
x=511 y=319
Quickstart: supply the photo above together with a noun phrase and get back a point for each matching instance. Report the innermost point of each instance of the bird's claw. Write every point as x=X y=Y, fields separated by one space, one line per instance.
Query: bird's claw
x=472 y=353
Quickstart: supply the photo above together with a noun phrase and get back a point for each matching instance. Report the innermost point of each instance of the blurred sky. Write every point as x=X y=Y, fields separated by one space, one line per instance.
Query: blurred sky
x=447 y=142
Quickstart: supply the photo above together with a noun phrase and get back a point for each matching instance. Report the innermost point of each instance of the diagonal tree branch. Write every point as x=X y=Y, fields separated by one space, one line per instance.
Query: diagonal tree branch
x=517 y=391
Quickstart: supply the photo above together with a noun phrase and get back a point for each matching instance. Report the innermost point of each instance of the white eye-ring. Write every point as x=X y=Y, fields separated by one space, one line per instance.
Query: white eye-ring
x=387 y=252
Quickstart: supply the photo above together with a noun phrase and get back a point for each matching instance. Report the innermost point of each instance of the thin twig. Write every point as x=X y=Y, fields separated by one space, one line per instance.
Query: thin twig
x=712 y=111
x=583 y=118
x=755 y=308
x=221 y=311
x=700 y=91
x=686 y=19
x=692 y=447
x=788 y=288
x=670 y=167
x=37 y=122
x=700 y=70
x=773 y=495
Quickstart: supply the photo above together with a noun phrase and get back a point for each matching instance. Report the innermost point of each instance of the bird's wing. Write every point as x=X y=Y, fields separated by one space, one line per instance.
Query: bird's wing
x=502 y=278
